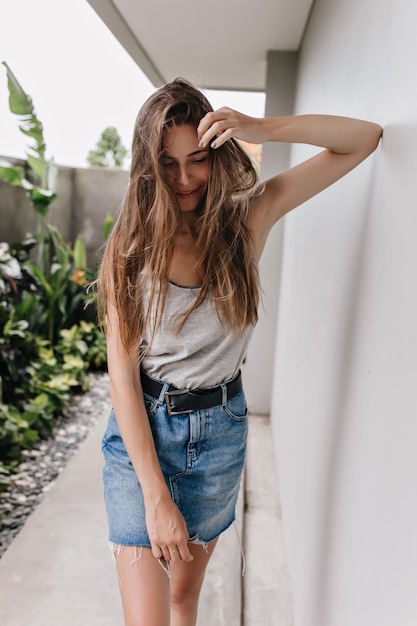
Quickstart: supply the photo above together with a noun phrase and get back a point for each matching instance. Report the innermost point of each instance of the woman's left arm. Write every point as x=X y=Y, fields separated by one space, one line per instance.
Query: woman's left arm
x=346 y=142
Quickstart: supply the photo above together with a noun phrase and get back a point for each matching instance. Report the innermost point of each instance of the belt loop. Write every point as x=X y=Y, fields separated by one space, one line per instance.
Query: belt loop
x=164 y=389
x=224 y=394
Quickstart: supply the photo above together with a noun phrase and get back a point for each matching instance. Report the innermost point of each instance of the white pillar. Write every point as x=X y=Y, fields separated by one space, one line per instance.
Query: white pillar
x=280 y=96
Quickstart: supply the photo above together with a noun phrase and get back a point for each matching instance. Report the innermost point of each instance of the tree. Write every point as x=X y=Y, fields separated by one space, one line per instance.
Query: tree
x=109 y=152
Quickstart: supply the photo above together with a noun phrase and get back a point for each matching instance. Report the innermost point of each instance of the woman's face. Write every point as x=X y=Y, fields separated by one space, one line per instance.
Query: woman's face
x=188 y=166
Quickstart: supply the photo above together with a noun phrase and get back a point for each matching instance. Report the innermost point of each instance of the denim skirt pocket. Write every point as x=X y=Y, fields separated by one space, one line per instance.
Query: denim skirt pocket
x=236 y=408
x=151 y=404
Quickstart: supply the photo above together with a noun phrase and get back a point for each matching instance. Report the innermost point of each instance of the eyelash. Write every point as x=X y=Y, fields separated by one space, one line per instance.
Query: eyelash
x=171 y=164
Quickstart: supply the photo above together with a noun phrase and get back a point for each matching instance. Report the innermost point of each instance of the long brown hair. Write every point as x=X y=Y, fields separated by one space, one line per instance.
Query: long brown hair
x=143 y=236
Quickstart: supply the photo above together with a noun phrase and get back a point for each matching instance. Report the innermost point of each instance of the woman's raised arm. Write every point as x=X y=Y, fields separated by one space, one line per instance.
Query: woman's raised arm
x=346 y=142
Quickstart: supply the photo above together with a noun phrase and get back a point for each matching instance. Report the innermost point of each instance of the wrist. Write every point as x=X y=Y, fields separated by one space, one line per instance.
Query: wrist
x=274 y=127
x=155 y=494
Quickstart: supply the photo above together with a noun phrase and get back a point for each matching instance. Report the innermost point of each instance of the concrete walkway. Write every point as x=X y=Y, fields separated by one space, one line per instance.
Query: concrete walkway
x=59 y=571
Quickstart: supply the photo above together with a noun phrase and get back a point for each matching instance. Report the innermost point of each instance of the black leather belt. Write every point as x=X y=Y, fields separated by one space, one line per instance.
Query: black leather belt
x=189 y=400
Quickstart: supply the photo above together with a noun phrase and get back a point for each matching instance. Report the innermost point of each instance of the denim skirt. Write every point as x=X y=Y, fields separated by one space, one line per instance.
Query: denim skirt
x=201 y=456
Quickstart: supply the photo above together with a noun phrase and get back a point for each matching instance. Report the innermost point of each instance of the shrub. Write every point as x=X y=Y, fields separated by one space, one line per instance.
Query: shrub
x=47 y=341
x=40 y=370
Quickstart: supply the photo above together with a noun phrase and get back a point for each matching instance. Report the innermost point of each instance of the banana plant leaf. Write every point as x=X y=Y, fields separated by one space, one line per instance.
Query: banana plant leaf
x=12 y=174
x=21 y=104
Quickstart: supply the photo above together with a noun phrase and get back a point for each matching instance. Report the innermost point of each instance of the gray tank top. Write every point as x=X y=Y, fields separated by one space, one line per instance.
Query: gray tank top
x=203 y=354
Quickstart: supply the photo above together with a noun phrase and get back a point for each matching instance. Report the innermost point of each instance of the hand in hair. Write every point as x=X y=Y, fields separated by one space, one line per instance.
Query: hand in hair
x=219 y=126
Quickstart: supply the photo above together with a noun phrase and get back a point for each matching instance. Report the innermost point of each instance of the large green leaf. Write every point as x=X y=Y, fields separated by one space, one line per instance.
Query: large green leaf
x=21 y=104
x=46 y=171
x=32 y=127
x=12 y=174
x=41 y=200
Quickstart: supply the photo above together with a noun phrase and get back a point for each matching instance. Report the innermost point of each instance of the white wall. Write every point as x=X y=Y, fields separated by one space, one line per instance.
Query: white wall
x=344 y=405
x=258 y=372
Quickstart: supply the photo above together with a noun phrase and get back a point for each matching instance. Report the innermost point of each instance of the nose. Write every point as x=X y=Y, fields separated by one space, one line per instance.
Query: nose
x=183 y=175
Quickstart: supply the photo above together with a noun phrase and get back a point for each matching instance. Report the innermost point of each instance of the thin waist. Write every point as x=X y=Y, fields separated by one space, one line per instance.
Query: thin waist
x=188 y=400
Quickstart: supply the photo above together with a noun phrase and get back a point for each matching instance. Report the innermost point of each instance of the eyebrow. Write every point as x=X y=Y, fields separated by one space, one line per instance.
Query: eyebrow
x=202 y=151
x=198 y=152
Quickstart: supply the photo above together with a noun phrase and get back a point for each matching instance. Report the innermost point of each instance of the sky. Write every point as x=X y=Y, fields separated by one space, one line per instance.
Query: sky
x=79 y=77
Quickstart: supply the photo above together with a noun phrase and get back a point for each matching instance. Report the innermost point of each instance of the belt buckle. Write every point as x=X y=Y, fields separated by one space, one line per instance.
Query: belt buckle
x=171 y=410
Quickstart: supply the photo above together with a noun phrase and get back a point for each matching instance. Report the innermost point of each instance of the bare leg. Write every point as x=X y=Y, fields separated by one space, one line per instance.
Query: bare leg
x=144 y=587
x=186 y=582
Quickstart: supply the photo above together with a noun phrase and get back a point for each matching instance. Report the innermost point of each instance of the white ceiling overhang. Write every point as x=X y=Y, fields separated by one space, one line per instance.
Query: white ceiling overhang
x=218 y=44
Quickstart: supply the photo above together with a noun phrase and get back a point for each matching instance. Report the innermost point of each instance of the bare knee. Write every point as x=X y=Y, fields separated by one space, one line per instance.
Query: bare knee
x=186 y=582
x=185 y=594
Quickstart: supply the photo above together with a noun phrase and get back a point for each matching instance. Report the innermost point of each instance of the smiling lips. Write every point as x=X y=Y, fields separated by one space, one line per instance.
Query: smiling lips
x=186 y=194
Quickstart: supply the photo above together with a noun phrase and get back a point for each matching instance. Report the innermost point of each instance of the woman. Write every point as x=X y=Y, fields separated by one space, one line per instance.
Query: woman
x=178 y=289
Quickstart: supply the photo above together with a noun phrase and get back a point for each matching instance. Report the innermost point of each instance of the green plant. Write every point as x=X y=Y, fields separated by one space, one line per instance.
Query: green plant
x=15 y=433
x=49 y=301
x=39 y=176
x=46 y=344
x=37 y=375
x=43 y=378
x=63 y=295
x=108 y=225
x=5 y=478
x=88 y=341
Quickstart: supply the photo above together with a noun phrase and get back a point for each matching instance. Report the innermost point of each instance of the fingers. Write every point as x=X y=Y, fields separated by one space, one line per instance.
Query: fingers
x=172 y=553
x=156 y=551
x=210 y=119
x=167 y=532
x=216 y=127
x=166 y=554
x=184 y=552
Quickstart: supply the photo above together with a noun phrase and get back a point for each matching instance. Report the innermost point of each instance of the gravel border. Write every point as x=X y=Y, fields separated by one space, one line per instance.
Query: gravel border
x=42 y=465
